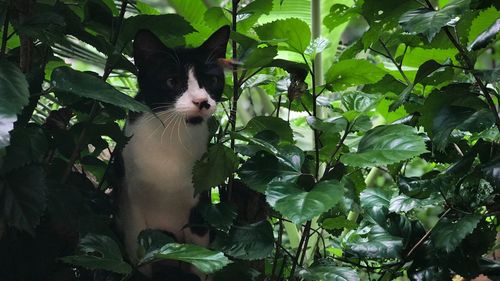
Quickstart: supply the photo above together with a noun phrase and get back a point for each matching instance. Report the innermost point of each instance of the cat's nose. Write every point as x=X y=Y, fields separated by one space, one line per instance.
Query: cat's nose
x=201 y=103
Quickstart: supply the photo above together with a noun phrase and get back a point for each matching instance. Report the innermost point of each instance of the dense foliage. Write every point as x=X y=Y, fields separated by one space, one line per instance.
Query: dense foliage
x=376 y=158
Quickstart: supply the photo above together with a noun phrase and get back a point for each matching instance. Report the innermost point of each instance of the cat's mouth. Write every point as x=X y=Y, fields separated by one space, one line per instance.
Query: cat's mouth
x=194 y=120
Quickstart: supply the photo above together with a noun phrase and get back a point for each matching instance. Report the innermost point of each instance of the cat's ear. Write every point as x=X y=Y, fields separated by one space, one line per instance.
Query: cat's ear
x=146 y=44
x=216 y=44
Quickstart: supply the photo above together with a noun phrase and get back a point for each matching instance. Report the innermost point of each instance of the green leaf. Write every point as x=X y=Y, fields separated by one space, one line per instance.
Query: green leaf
x=317 y=46
x=205 y=260
x=99 y=252
x=403 y=204
x=377 y=244
x=249 y=242
x=485 y=38
x=250 y=14
x=216 y=165
x=263 y=168
x=338 y=223
x=489 y=75
x=151 y=240
x=259 y=56
x=375 y=202
x=14 y=95
x=274 y=124
x=339 y=14
x=485 y=19
x=386 y=145
x=426 y=69
x=23 y=197
x=28 y=145
x=65 y=79
x=447 y=234
x=463 y=118
x=331 y=125
x=178 y=27
x=220 y=216
x=328 y=272
x=341 y=75
x=429 y=22
x=359 y=102
x=299 y=205
x=293 y=32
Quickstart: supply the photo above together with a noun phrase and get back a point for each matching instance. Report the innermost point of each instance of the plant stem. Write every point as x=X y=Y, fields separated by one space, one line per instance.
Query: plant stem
x=426 y=234
x=236 y=85
x=5 y=30
x=305 y=235
x=95 y=105
x=399 y=67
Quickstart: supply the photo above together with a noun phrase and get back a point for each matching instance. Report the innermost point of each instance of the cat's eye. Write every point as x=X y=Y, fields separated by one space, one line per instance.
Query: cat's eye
x=214 y=80
x=171 y=82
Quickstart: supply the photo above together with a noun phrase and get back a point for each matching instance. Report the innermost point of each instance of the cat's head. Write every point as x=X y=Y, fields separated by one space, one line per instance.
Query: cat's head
x=187 y=81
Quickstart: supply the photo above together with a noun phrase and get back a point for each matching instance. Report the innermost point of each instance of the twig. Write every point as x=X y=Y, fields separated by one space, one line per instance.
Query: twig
x=399 y=67
x=276 y=251
x=5 y=30
x=305 y=235
x=426 y=234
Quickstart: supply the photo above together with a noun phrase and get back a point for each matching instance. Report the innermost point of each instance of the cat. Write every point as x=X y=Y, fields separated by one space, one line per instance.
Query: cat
x=182 y=87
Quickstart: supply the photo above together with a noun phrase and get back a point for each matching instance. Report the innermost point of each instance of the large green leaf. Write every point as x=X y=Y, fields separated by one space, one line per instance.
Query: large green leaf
x=299 y=205
x=274 y=124
x=28 y=145
x=263 y=168
x=205 y=260
x=328 y=272
x=251 y=13
x=249 y=242
x=293 y=32
x=172 y=36
x=23 y=197
x=99 y=252
x=429 y=22
x=65 y=79
x=484 y=20
x=220 y=215
x=448 y=234
x=340 y=76
x=386 y=144
x=216 y=165
x=377 y=244
x=375 y=202
x=13 y=97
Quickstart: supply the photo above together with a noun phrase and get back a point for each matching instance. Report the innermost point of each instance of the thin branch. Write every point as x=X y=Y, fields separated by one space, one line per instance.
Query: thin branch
x=5 y=31
x=426 y=234
x=399 y=67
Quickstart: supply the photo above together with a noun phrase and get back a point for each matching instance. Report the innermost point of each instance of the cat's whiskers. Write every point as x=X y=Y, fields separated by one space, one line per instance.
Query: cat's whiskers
x=183 y=120
x=169 y=115
x=172 y=119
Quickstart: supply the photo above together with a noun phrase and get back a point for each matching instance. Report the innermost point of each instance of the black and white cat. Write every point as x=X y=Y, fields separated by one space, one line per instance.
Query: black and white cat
x=182 y=87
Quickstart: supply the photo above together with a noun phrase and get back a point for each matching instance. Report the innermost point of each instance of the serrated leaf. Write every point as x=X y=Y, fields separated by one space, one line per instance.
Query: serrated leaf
x=249 y=242
x=299 y=205
x=328 y=272
x=151 y=240
x=378 y=244
x=375 y=202
x=23 y=197
x=317 y=46
x=386 y=144
x=68 y=80
x=263 y=168
x=28 y=145
x=215 y=166
x=250 y=14
x=485 y=38
x=429 y=22
x=220 y=215
x=205 y=260
x=447 y=234
x=275 y=124
x=359 y=102
x=259 y=56
x=14 y=95
x=403 y=203
x=293 y=32
x=458 y=117
x=339 y=14
x=341 y=75
x=99 y=252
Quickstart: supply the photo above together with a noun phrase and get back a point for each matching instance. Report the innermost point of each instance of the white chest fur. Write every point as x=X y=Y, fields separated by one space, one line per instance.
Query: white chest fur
x=158 y=174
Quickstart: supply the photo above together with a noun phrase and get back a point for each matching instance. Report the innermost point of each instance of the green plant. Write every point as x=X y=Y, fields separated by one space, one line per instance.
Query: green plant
x=384 y=166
